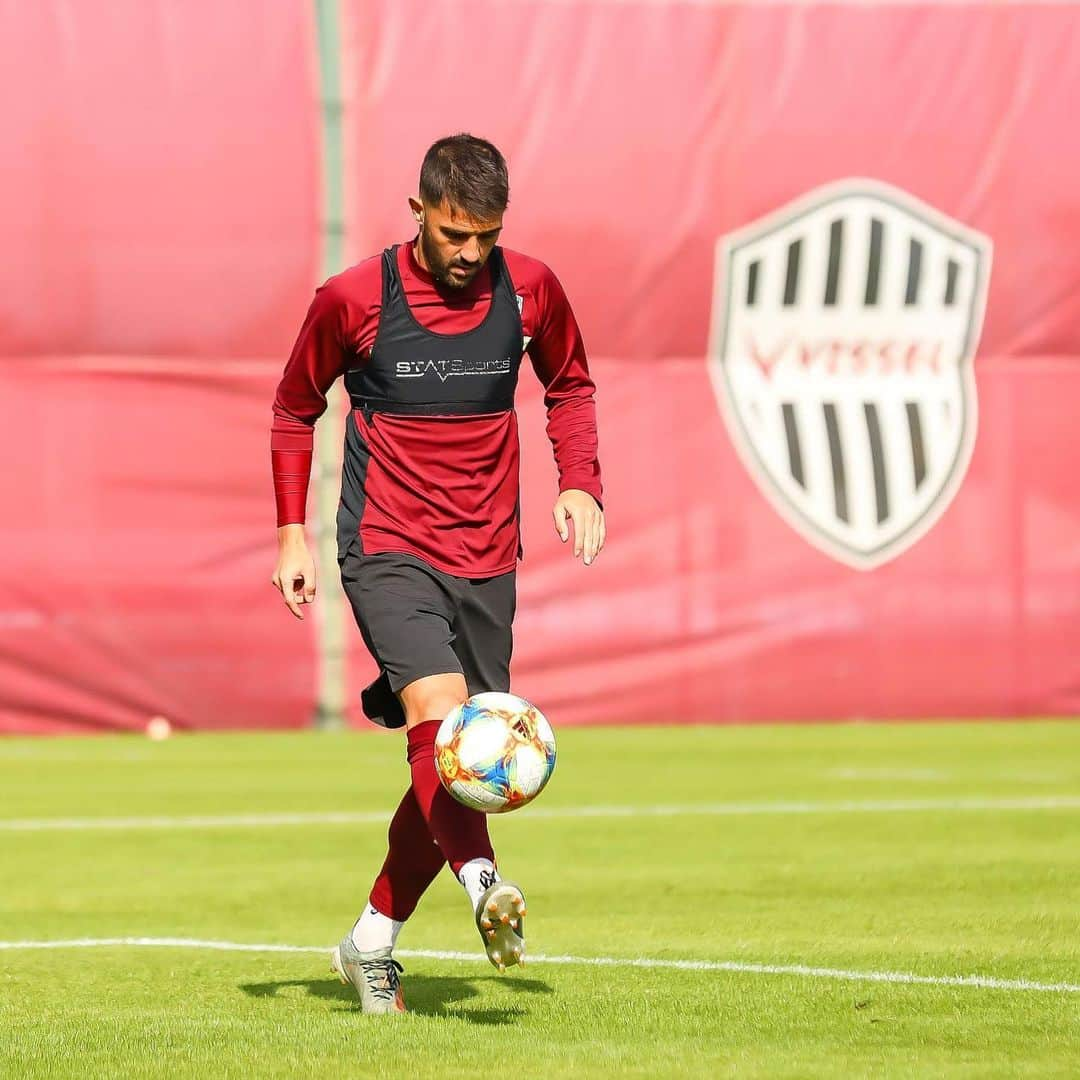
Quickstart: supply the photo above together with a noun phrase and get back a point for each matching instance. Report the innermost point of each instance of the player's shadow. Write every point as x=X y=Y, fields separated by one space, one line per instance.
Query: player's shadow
x=426 y=995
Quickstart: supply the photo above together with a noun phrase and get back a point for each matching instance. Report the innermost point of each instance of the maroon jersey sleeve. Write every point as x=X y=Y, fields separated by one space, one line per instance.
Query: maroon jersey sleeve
x=341 y=318
x=557 y=353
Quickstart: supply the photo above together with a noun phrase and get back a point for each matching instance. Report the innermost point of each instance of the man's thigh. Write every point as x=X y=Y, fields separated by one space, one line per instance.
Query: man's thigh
x=483 y=629
x=405 y=612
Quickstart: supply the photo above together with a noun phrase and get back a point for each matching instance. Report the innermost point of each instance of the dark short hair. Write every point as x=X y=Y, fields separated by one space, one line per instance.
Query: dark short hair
x=469 y=173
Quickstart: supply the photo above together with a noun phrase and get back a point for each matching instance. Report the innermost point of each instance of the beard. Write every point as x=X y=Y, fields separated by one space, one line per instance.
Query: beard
x=440 y=268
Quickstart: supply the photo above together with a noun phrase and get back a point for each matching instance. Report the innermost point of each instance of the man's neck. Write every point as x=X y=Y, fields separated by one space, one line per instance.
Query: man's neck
x=418 y=254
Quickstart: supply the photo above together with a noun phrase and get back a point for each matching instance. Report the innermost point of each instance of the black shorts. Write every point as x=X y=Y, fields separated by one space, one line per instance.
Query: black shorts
x=417 y=621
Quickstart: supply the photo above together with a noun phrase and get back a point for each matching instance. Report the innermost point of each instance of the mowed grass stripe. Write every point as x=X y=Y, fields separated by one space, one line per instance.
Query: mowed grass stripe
x=773 y=930
x=971 y=804
x=981 y=982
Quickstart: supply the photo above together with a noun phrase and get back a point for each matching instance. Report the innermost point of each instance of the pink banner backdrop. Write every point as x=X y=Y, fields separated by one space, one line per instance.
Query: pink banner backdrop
x=159 y=208
x=161 y=221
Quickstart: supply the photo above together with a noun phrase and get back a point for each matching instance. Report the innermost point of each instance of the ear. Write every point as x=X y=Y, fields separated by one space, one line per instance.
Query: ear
x=417 y=208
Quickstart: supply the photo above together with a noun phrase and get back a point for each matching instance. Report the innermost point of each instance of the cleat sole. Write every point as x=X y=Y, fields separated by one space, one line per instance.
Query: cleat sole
x=501 y=920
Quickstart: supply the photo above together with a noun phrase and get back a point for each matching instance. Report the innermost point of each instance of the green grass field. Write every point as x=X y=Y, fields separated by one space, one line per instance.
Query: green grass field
x=932 y=851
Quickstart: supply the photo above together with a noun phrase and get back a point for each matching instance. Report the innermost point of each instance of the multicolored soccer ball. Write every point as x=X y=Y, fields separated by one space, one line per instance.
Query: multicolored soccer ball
x=495 y=752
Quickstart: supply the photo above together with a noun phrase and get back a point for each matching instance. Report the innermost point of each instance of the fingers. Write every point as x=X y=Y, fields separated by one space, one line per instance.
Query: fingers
x=559 y=514
x=587 y=520
x=590 y=532
x=580 y=519
x=293 y=597
x=594 y=535
x=296 y=585
x=308 y=596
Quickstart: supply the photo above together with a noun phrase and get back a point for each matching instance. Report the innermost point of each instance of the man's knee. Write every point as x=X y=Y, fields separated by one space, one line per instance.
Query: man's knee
x=432 y=697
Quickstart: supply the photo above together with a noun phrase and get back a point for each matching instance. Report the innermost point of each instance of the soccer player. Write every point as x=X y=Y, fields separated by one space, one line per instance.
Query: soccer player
x=429 y=336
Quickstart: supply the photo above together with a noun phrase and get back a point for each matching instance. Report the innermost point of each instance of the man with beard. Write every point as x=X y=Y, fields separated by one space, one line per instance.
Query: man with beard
x=429 y=337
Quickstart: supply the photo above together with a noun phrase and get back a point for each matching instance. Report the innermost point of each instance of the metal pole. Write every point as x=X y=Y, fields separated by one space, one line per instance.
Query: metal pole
x=330 y=430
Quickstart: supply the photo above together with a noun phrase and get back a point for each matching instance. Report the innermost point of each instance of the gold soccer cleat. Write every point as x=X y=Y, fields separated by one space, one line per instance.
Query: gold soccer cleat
x=500 y=918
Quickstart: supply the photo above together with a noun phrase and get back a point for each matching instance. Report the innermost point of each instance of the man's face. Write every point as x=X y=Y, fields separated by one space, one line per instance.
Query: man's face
x=454 y=245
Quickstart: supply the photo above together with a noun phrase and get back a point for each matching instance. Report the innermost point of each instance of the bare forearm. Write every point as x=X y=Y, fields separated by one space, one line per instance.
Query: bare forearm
x=291 y=535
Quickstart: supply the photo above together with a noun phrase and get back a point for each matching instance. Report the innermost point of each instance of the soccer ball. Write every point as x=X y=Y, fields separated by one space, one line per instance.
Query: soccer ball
x=495 y=752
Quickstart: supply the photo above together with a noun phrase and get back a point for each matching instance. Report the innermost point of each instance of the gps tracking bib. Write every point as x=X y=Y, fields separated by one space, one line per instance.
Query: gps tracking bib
x=415 y=371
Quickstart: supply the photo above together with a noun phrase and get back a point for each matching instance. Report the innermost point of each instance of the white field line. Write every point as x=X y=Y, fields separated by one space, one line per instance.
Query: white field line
x=914 y=775
x=972 y=804
x=980 y=982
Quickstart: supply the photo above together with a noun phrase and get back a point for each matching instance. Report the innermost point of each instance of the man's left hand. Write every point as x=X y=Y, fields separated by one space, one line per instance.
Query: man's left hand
x=583 y=511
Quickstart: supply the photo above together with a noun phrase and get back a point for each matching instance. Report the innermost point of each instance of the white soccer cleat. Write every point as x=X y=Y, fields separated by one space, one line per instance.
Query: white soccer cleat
x=374 y=976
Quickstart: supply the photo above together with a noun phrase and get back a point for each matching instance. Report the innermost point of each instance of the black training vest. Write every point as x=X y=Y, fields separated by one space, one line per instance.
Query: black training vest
x=415 y=371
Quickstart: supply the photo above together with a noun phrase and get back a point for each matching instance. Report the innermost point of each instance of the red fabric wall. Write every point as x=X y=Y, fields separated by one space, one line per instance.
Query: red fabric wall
x=159 y=220
x=162 y=231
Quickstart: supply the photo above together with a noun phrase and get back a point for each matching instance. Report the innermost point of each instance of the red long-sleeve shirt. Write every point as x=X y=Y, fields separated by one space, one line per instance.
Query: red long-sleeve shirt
x=443 y=489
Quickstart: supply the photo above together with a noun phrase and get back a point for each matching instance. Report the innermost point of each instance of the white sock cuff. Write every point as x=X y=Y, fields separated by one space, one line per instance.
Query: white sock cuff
x=374 y=930
x=478 y=875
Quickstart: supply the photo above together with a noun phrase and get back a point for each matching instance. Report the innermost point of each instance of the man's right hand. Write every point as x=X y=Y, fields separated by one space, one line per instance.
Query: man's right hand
x=294 y=576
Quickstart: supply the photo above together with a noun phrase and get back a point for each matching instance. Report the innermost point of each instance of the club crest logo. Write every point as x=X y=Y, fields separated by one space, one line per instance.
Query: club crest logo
x=844 y=331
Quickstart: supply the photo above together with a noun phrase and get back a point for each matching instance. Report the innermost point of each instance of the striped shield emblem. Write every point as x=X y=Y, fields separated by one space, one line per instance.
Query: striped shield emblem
x=844 y=328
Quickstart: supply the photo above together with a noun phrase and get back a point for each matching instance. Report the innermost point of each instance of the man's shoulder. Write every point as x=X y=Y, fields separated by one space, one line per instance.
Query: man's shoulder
x=527 y=272
x=356 y=284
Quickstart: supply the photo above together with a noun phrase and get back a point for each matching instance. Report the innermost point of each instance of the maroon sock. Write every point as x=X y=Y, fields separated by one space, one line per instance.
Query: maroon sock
x=461 y=833
x=412 y=863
